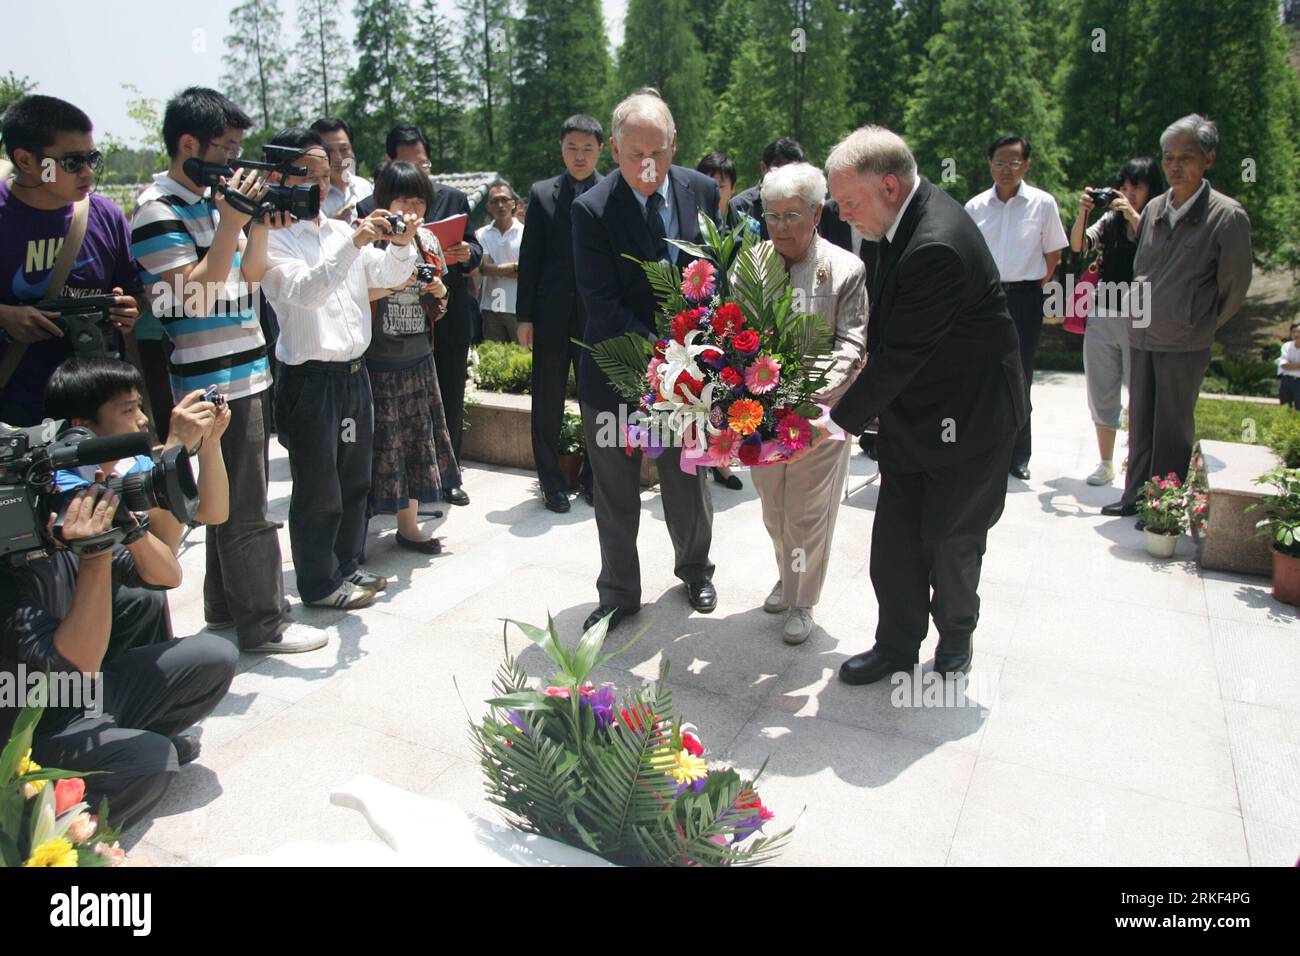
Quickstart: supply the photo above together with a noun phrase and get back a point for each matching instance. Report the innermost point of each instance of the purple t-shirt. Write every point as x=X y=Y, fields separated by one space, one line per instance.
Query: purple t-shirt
x=30 y=240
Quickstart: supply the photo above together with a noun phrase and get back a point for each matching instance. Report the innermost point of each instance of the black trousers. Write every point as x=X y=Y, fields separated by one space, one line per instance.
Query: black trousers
x=1162 y=392
x=688 y=512
x=929 y=536
x=552 y=360
x=158 y=383
x=1288 y=391
x=451 y=361
x=149 y=695
x=243 y=582
x=325 y=417
x=1026 y=305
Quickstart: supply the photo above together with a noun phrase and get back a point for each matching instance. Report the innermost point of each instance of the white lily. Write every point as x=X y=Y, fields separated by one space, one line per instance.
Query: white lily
x=688 y=410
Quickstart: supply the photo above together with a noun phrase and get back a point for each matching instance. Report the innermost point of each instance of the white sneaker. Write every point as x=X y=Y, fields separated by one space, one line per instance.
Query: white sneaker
x=286 y=643
x=364 y=579
x=798 y=625
x=773 y=603
x=1104 y=474
x=347 y=596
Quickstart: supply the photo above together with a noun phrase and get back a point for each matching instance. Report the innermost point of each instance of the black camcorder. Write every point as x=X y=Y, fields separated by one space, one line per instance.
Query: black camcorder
x=30 y=460
x=84 y=322
x=301 y=202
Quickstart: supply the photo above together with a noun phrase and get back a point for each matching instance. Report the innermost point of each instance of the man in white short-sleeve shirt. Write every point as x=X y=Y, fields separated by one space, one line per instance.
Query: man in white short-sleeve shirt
x=499 y=287
x=1022 y=227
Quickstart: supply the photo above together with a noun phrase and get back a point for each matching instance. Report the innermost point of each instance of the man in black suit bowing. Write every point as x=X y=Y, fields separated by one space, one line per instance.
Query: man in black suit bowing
x=548 y=307
x=946 y=383
x=451 y=338
x=635 y=210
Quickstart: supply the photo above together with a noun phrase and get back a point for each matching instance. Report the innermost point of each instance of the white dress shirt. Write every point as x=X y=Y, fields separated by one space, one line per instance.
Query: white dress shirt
x=318 y=283
x=666 y=212
x=502 y=248
x=335 y=198
x=1176 y=214
x=1020 y=232
x=1290 y=356
x=893 y=226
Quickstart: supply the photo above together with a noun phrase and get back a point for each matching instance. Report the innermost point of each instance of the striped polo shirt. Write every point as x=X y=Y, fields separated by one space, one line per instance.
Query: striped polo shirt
x=174 y=227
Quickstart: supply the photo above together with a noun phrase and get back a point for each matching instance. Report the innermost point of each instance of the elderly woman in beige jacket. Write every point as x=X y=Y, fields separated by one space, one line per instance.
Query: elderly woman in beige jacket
x=801 y=498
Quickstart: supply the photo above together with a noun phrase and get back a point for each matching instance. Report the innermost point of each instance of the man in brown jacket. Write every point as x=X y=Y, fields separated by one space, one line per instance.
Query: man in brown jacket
x=1191 y=273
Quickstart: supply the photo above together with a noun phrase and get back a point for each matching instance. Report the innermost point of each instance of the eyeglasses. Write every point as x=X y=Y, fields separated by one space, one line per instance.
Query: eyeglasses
x=76 y=162
x=233 y=152
x=1000 y=166
x=499 y=200
x=774 y=219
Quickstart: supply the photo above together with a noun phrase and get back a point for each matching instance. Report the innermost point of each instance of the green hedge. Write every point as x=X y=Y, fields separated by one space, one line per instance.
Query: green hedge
x=1278 y=426
x=506 y=367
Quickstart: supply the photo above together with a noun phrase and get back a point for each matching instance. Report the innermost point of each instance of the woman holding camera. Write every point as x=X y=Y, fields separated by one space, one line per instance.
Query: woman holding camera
x=1105 y=341
x=413 y=459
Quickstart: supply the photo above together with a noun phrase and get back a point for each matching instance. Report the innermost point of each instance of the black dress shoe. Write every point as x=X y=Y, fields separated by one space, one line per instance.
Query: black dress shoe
x=430 y=546
x=953 y=659
x=457 y=496
x=1020 y=471
x=187 y=747
x=619 y=614
x=731 y=481
x=870 y=667
x=703 y=596
x=557 y=501
x=588 y=494
x=1119 y=510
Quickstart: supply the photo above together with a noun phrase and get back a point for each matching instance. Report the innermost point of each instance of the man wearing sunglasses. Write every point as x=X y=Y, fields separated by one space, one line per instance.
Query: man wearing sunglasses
x=52 y=147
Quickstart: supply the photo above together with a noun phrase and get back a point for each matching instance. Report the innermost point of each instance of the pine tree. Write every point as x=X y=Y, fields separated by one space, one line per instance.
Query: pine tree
x=321 y=63
x=487 y=52
x=660 y=49
x=877 y=91
x=719 y=28
x=921 y=20
x=438 y=91
x=256 y=64
x=380 y=83
x=562 y=68
x=790 y=79
x=973 y=88
x=14 y=87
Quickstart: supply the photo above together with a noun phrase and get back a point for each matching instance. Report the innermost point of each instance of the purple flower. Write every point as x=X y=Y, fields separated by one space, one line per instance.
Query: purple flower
x=601 y=702
x=695 y=785
x=518 y=721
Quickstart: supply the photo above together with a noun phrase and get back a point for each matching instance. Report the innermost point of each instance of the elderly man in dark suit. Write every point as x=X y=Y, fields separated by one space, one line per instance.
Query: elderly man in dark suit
x=635 y=211
x=451 y=338
x=946 y=384
x=548 y=307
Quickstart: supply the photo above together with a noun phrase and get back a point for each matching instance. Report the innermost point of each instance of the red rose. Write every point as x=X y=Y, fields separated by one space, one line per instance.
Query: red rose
x=731 y=378
x=661 y=348
x=688 y=385
x=746 y=342
x=749 y=452
x=728 y=320
x=691 y=744
x=683 y=323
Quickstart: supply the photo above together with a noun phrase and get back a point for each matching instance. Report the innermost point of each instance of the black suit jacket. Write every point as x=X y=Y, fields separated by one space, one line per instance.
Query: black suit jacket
x=454 y=328
x=607 y=222
x=945 y=379
x=548 y=294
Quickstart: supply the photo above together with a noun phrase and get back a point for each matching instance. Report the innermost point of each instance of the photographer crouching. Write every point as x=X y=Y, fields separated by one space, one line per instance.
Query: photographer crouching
x=62 y=596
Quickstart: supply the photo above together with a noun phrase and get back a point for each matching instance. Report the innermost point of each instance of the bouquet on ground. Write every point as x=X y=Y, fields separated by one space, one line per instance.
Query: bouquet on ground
x=1163 y=505
x=734 y=369
x=615 y=773
x=44 y=820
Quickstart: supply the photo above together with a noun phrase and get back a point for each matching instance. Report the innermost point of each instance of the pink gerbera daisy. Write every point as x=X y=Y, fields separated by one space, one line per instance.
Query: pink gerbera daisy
x=697 y=280
x=725 y=443
x=793 y=432
x=762 y=375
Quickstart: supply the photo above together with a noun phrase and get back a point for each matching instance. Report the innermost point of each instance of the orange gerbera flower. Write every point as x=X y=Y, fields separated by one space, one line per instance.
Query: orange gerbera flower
x=745 y=416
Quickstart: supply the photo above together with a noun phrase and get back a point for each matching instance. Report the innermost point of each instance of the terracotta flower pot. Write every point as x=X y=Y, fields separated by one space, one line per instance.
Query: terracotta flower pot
x=570 y=466
x=1161 y=545
x=1286 y=578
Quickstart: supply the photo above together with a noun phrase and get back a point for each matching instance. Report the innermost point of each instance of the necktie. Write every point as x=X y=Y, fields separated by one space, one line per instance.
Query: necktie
x=655 y=221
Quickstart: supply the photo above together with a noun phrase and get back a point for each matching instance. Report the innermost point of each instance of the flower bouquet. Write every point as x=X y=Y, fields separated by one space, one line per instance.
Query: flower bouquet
x=614 y=773
x=43 y=825
x=1162 y=508
x=735 y=367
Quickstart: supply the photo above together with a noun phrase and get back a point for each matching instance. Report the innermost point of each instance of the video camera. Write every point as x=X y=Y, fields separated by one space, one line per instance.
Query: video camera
x=302 y=202
x=30 y=459
x=84 y=323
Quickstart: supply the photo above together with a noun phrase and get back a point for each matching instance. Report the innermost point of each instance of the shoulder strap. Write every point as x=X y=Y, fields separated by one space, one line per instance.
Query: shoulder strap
x=62 y=269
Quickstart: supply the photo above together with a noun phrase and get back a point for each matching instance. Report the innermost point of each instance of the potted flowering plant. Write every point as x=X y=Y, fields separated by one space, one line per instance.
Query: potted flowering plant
x=44 y=820
x=613 y=772
x=1281 y=524
x=572 y=447
x=1162 y=509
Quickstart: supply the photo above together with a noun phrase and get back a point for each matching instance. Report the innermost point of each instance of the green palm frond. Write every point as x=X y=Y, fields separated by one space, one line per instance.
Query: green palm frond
x=624 y=359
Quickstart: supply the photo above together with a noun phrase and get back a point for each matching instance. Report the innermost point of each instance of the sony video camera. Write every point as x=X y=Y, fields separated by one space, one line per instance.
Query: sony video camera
x=84 y=322
x=30 y=486
x=302 y=202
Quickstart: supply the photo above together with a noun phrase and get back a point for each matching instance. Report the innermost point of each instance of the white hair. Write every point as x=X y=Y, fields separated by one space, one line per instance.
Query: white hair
x=794 y=179
x=646 y=104
x=876 y=150
x=1203 y=130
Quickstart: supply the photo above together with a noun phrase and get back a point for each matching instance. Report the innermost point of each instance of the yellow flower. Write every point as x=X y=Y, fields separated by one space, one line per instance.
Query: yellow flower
x=25 y=766
x=683 y=766
x=56 y=852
